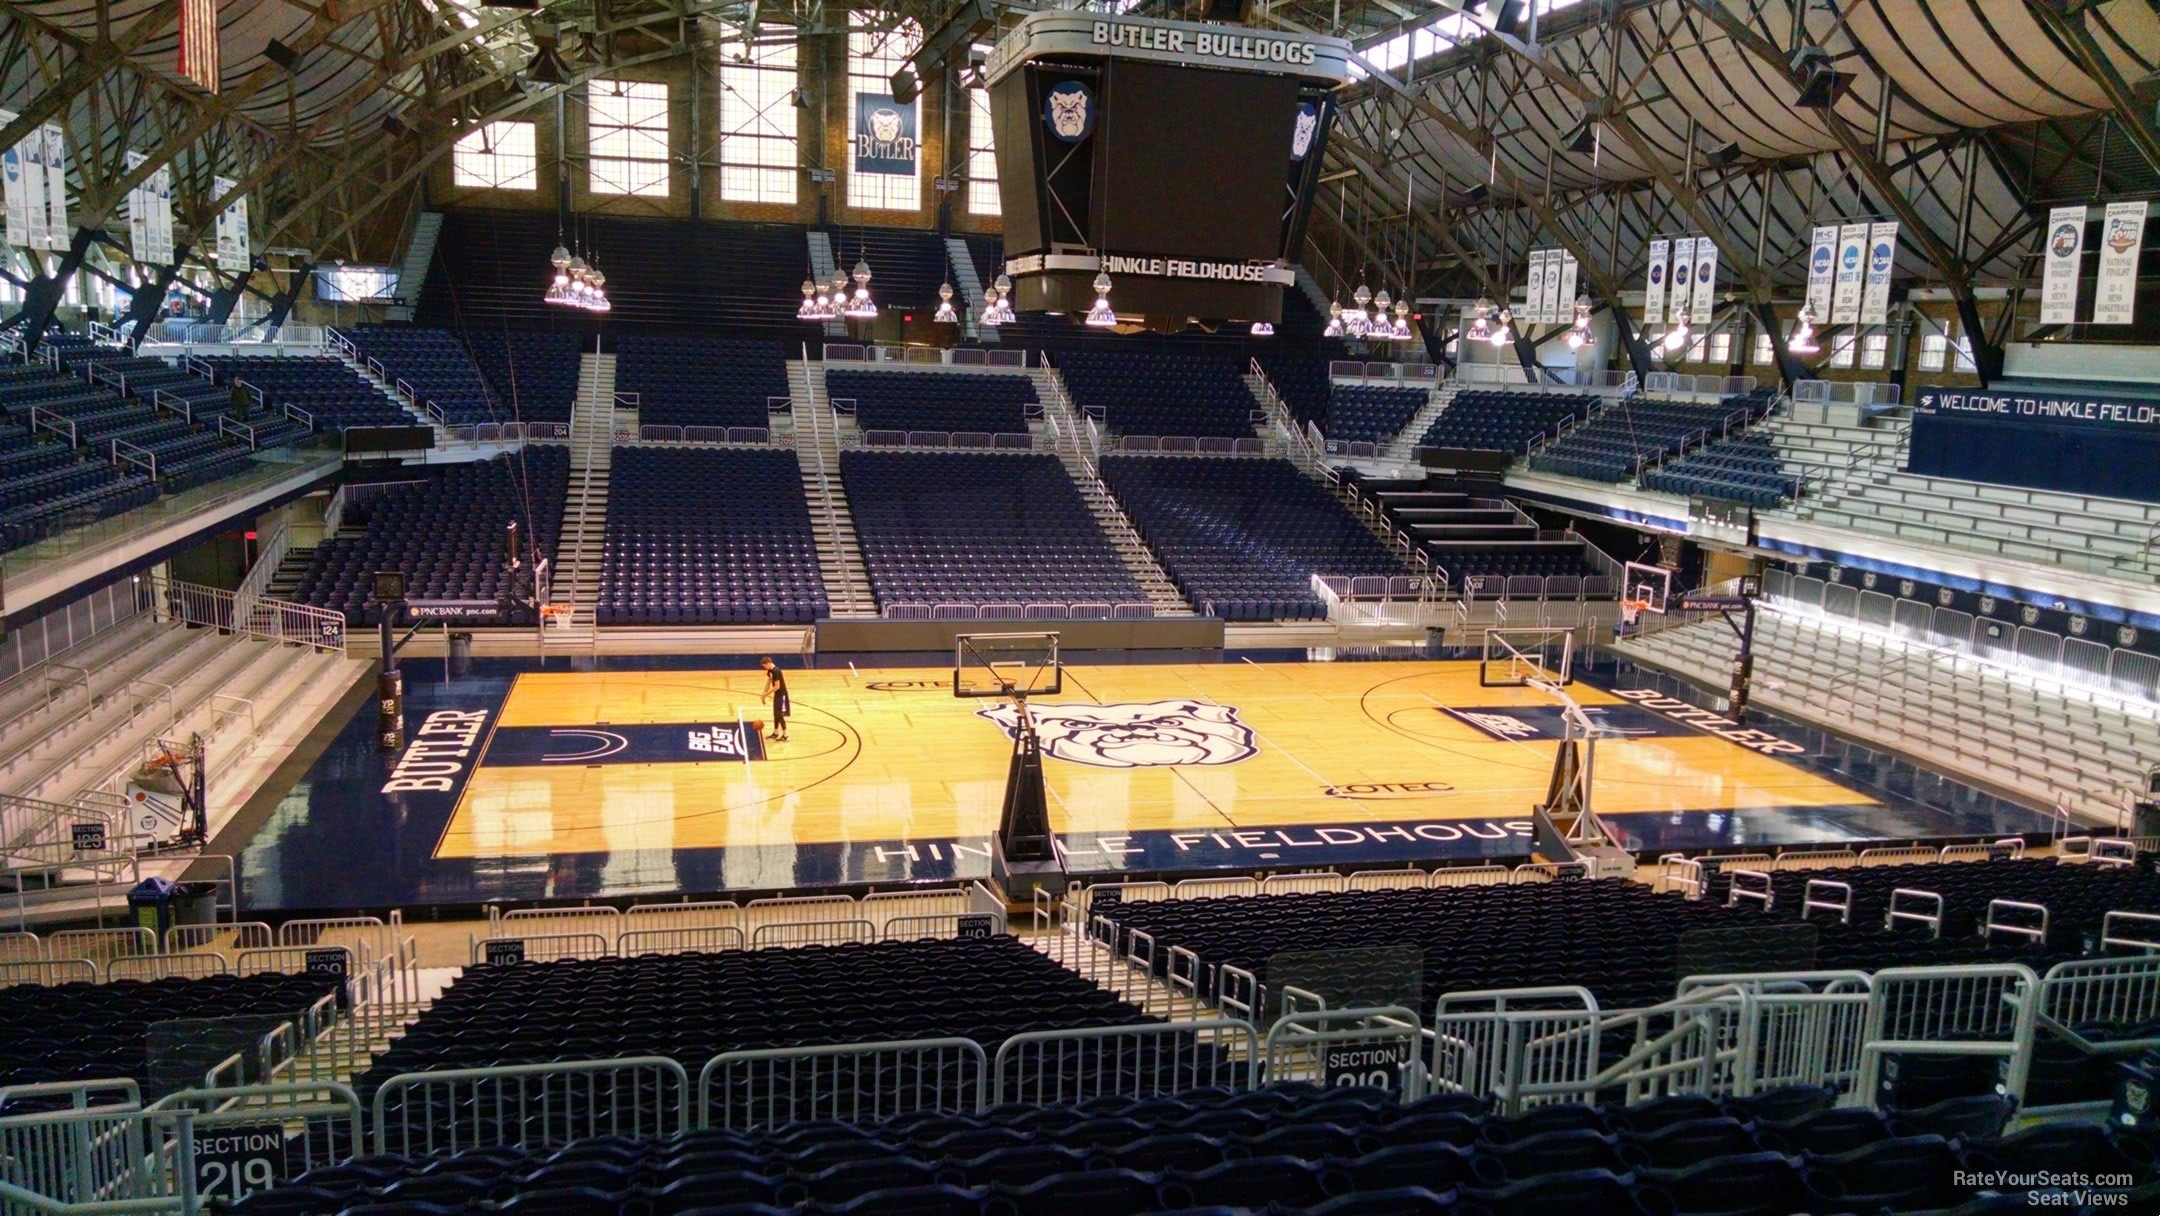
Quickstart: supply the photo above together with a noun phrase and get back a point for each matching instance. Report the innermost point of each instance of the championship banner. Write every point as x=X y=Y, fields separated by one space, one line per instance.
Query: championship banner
x=161 y=238
x=884 y=135
x=1556 y=302
x=1881 y=258
x=56 y=220
x=232 y=230
x=1567 y=288
x=1706 y=256
x=1534 y=289
x=1683 y=279
x=35 y=200
x=2122 y=234
x=138 y=204
x=1653 y=296
x=17 y=197
x=1845 y=291
x=2065 y=264
x=1822 y=257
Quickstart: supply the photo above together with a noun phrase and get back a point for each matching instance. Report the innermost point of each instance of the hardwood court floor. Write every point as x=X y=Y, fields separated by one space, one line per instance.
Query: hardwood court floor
x=891 y=755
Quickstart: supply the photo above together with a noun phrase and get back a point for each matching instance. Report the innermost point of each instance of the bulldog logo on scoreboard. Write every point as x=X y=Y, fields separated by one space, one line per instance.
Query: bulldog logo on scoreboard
x=1301 y=135
x=1069 y=110
x=1135 y=734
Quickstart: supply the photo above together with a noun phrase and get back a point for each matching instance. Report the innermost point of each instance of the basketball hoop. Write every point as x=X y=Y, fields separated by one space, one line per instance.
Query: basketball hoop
x=1632 y=609
x=557 y=616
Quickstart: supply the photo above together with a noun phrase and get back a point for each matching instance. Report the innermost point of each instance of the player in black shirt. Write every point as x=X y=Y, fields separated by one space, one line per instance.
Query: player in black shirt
x=776 y=688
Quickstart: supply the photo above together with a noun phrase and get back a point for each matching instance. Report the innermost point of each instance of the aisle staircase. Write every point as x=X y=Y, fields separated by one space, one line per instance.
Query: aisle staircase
x=412 y=275
x=1072 y=451
x=575 y=579
x=1403 y=446
x=968 y=285
x=823 y=266
x=817 y=450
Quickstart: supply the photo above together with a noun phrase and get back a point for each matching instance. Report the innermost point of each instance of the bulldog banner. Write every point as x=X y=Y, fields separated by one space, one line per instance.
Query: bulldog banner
x=884 y=135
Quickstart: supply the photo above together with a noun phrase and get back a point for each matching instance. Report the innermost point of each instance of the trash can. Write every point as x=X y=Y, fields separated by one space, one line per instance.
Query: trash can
x=194 y=903
x=461 y=648
x=150 y=905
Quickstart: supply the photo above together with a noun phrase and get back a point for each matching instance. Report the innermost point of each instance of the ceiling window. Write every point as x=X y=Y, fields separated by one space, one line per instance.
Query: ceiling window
x=872 y=60
x=982 y=187
x=496 y=156
x=627 y=126
x=760 y=154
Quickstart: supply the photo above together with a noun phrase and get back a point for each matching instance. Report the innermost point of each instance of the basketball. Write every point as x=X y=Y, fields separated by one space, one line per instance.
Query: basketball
x=757 y=726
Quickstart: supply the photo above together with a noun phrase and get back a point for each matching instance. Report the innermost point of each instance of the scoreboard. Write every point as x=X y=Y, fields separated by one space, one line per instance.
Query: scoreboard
x=1180 y=157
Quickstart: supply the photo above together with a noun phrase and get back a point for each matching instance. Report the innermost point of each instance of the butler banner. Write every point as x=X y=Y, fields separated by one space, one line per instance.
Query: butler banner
x=884 y=135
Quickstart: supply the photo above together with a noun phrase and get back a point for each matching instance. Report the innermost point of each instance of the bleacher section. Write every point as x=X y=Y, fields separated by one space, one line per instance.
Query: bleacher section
x=906 y=264
x=979 y=529
x=326 y=389
x=1923 y=698
x=77 y=1030
x=661 y=274
x=45 y=485
x=1745 y=468
x=686 y=381
x=1624 y=438
x=436 y=363
x=1854 y=481
x=1502 y=421
x=934 y=401
x=1139 y=393
x=708 y=537
x=445 y=532
x=1369 y=413
x=1242 y=538
x=535 y=376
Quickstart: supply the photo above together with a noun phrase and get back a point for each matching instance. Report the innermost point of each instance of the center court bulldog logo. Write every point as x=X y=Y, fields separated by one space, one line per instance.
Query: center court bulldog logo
x=1135 y=734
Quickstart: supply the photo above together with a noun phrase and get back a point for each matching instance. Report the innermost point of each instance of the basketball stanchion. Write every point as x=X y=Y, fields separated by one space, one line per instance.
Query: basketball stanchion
x=1012 y=667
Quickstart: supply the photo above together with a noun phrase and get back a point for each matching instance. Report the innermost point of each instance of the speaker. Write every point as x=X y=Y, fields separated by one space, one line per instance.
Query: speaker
x=1233 y=12
x=1820 y=83
x=282 y=55
x=904 y=86
x=1507 y=19
x=389 y=586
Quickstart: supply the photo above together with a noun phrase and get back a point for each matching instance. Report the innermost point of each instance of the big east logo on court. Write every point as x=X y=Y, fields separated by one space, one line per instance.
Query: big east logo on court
x=1140 y=734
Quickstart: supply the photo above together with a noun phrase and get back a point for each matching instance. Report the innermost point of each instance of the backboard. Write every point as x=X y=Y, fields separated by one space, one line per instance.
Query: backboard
x=1649 y=585
x=1514 y=658
x=1006 y=665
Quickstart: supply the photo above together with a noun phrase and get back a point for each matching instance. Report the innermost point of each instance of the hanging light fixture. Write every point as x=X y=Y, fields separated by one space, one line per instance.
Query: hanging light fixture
x=860 y=306
x=558 y=291
x=1579 y=335
x=812 y=305
x=598 y=301
x=1675 y=338
x=1480 y=327
x=1802 y=341
x=1334 y=320
x=998 y=309
x=1263 y=329
x=1504 y=332
x=945 y=313
x=1356 y=321
x=1403 y=332
x=1100 y=314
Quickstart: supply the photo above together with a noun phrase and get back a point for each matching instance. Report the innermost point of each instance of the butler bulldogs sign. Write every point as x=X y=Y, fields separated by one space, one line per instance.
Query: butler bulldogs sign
x=1135 y=734
x=884 y=135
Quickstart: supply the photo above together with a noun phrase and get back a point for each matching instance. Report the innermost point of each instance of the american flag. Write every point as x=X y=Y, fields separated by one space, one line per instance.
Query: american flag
x=199 y=42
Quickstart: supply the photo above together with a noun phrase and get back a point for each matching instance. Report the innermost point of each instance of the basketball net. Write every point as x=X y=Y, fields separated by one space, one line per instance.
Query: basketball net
x=1631 y=609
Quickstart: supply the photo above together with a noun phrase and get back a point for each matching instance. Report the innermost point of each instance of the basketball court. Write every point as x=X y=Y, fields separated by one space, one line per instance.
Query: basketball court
x=536 y=783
